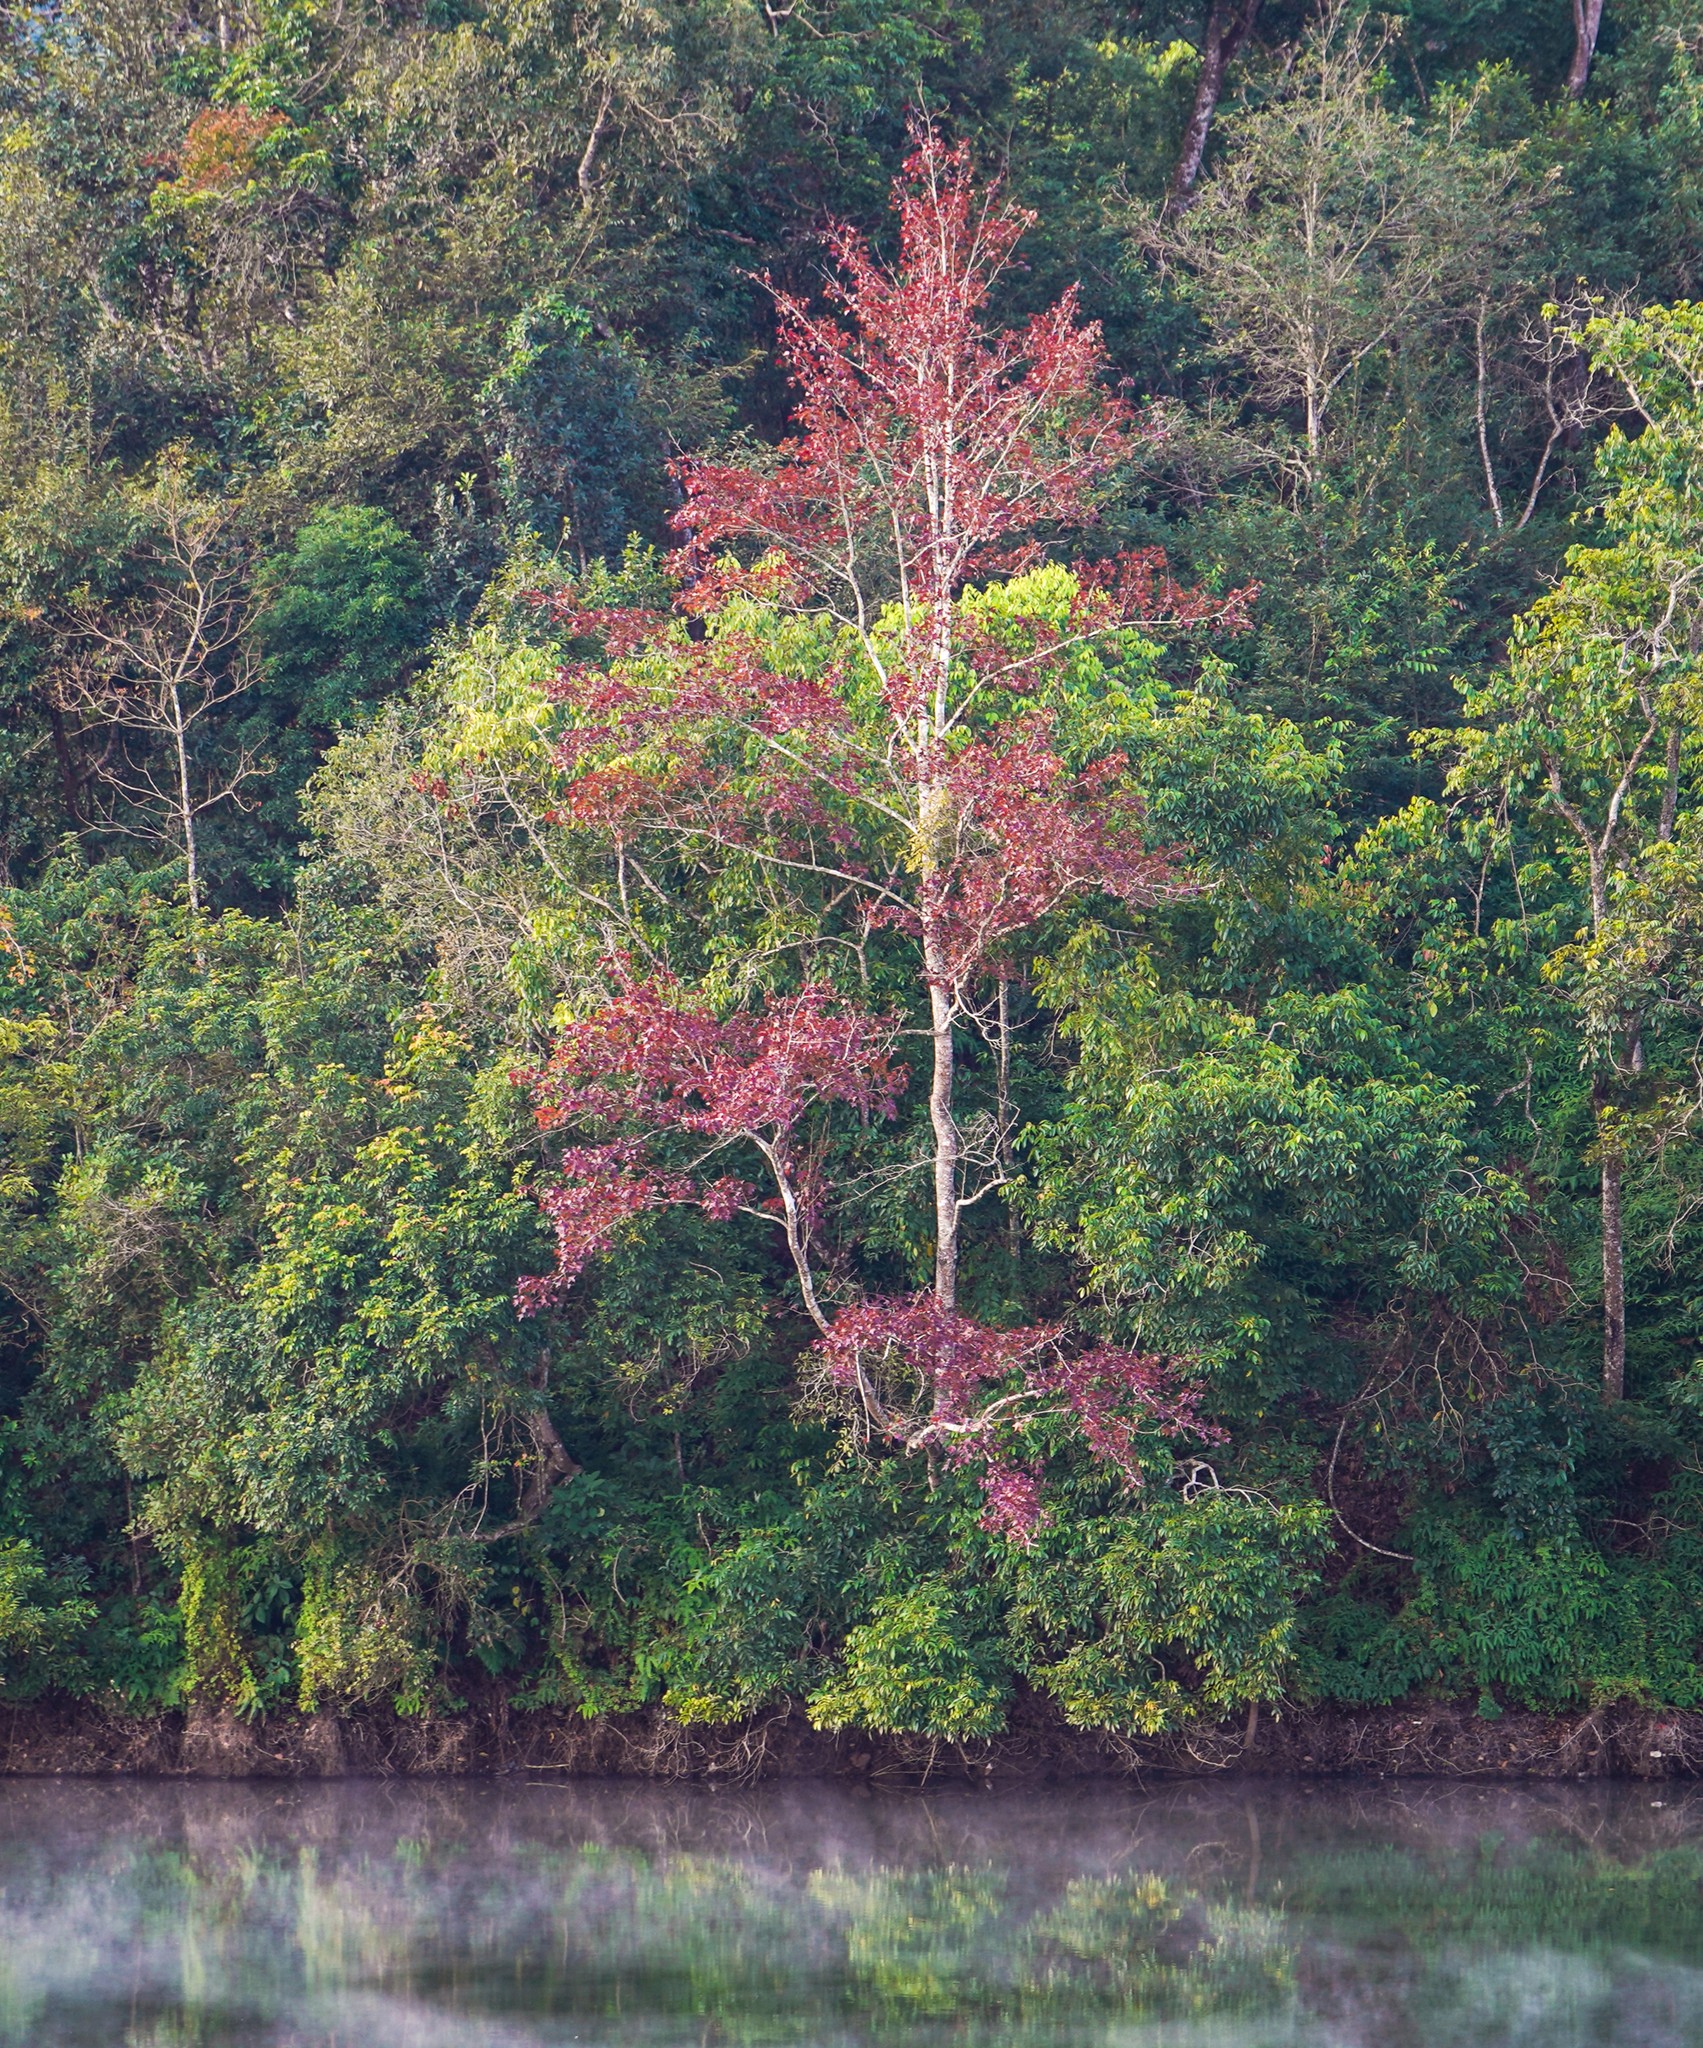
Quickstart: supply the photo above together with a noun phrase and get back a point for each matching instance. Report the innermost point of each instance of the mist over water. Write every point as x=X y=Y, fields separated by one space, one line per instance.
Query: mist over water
x=517 y=1914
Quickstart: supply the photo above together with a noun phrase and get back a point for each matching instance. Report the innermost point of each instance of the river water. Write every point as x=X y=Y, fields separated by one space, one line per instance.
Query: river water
x=517 y=1914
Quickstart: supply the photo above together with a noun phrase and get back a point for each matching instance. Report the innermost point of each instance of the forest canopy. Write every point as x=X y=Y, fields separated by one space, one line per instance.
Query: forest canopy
x=851 y=853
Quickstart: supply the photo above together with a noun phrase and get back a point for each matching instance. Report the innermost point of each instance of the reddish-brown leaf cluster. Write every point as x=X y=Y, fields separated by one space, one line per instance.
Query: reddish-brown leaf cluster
x=981 y=1386
x=916 y=424
x=1022 y=835
x=1011 y=831
x=656 y=1056
x=621 y=629
x=219 y=149
x=600 y=1188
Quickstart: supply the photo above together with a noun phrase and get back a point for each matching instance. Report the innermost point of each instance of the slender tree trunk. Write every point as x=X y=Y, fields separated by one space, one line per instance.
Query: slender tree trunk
x=797 y=1231
x=945 y=1132
x=585 y=176
x=1613 y=1224
x=1613 y=1265
x=937 y=825
x=1613 y=1230
x=1227 y=26
x=1587 y=24
x=1670 y=786
x=186 y=803
x=1483 y=421
x=1003 y=1073
x=67 y=770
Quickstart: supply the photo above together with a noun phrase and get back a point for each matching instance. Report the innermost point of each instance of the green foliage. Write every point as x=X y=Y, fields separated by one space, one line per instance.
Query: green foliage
x=922 y=1664
x=1548 y=1625
x=414 y=308
x=40 y=1620
x=343 y=614
x=1212 y=1584
x=578 y=448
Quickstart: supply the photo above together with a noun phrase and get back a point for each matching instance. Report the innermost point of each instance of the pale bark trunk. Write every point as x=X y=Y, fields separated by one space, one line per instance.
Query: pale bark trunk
x=945 y=1137
x=586 y=174
x=551 y=1467
x=797 y=1233
x=1483 y=421
x=1598 y=849
x=1613 y=1223
x=186 y=803
x=1613 y=1231
x=937 y=824
x=1587 y=25
x=1613 y=1276
x=1227 y=27
x=1003 y=1073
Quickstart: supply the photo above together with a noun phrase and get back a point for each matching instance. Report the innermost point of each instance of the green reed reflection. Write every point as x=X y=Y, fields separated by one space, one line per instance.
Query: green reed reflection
x=364 y=1916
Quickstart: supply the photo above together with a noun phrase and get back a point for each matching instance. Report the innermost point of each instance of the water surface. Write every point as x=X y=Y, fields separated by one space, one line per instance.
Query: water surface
x=518 y=1914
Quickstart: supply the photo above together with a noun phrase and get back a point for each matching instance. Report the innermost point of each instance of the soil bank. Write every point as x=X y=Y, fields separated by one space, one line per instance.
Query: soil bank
x=1428 y=1739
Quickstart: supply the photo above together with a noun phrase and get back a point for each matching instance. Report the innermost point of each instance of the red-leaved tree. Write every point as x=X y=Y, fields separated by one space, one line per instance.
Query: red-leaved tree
x=916 y=779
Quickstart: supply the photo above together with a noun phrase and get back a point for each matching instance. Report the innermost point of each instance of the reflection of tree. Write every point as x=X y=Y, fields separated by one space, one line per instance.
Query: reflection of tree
x=1336 y=1924
x=1561 y=1892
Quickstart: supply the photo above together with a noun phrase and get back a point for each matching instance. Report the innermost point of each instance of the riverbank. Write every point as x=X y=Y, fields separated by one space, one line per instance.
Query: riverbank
x=1436 y=1739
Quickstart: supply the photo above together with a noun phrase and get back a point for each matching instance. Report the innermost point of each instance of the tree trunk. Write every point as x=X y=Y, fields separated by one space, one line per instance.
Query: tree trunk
x=1670 y=785
x=67 y=769
x=1227 y=26
x=186 y=803
x=1494 y=494
x=1587 y=24
x=1613 y=1236
x=1613 y=1264
x=936 y=833
x=553 y=1466
x=586 y=175
x=945 y=1136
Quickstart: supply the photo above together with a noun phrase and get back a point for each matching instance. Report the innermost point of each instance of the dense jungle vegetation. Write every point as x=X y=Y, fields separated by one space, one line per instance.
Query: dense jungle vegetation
x=893 y=962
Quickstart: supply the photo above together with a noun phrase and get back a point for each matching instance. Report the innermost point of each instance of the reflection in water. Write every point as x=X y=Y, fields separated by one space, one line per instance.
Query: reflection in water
x=513 y=1915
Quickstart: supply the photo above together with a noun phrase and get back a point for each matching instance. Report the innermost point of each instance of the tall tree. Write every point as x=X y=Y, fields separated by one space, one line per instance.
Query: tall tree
x=921 y=778
x=1228 y=26
x=1589 y=726
x=1336 y=230
x=146 y=673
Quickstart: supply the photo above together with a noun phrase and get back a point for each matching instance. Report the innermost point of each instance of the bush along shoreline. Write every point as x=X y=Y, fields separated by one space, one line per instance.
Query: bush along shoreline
x=887 y=948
